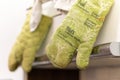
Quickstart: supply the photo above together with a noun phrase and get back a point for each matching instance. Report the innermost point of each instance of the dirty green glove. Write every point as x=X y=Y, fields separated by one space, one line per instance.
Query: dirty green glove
x=77 y=33
x=28 y=43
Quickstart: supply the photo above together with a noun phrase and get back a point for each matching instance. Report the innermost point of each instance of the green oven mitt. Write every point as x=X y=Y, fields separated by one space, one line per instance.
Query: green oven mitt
x=28 y=43
x=77 y=33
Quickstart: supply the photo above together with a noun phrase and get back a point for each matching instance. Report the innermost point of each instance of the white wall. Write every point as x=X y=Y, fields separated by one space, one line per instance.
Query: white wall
x=12 y=15
x=110 y=30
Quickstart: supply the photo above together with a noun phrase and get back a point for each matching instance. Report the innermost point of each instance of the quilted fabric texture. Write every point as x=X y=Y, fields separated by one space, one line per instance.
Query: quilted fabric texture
x=77 y=33
x=28 y=43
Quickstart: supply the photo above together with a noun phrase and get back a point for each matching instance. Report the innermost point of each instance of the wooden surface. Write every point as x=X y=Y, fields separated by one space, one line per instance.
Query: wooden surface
x=101 y=73
x=53 y=74
x=102 y=68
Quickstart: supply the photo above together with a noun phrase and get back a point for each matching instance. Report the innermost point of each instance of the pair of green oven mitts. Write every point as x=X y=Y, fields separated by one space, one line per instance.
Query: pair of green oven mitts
x=28 y=43
x=77 y=33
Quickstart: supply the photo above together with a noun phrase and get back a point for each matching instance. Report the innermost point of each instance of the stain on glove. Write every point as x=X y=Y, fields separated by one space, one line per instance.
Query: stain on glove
x=77 y=33
x=28 y=43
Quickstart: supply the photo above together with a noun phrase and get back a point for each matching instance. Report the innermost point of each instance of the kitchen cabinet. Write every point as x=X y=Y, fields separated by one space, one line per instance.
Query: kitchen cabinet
x=104 y=67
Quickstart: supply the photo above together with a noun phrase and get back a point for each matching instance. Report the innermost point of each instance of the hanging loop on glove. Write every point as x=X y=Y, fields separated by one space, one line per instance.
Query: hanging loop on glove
x=36 y=15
